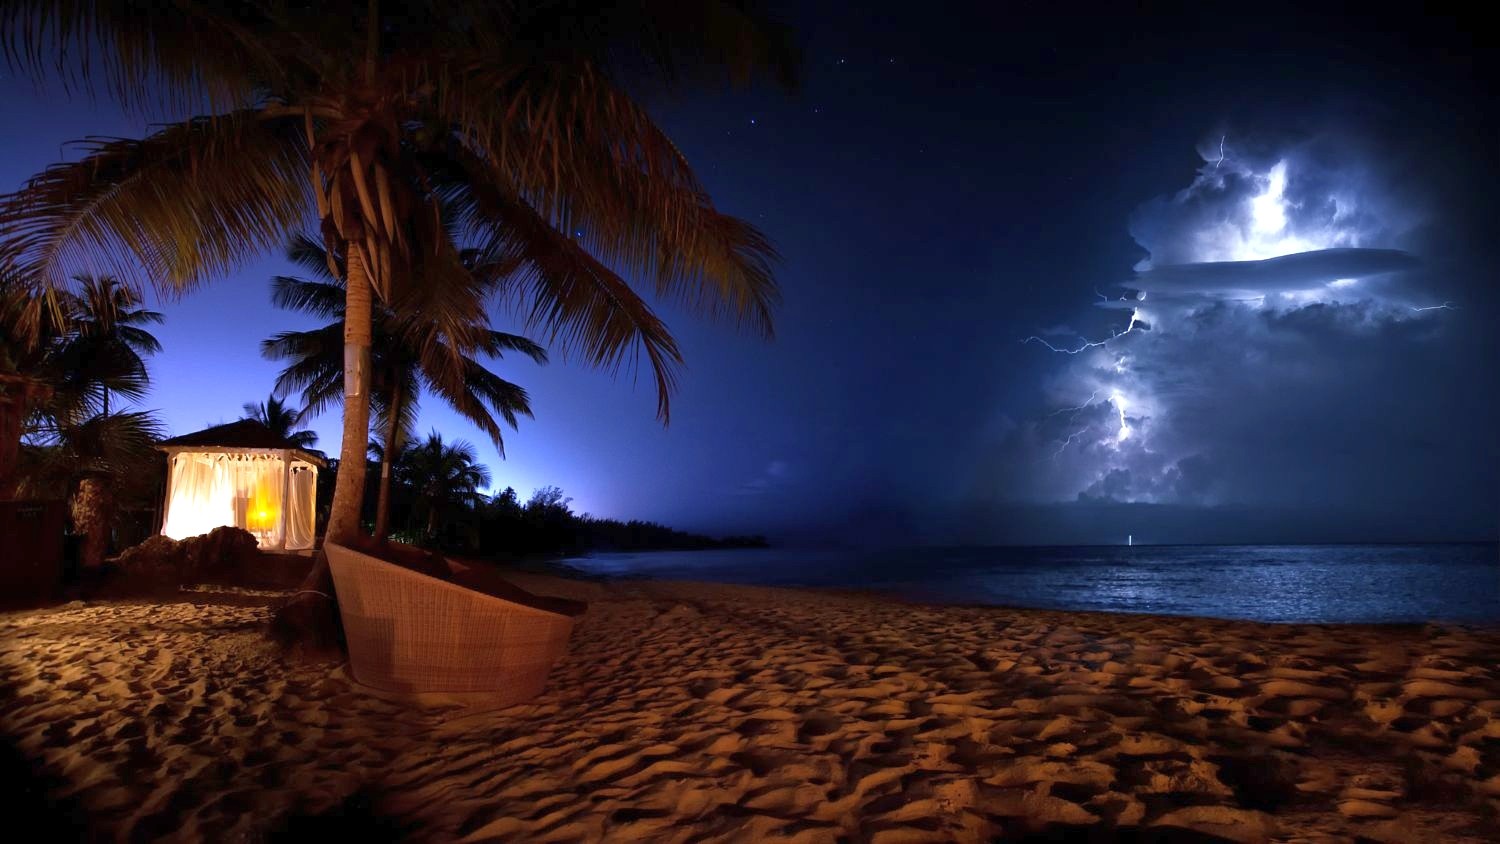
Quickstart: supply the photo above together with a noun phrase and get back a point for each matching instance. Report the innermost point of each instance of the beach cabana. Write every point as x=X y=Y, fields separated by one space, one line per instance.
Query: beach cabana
x=241 y=474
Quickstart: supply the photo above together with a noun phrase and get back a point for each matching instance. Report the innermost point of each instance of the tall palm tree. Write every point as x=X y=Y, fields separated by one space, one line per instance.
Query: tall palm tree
x=443 y=475
x=282 y=420
x=506 y=125
x=407 y=353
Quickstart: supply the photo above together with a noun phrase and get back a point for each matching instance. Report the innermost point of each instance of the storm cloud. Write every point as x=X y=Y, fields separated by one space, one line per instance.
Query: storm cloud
x=1277 y=348
x=1284 y=274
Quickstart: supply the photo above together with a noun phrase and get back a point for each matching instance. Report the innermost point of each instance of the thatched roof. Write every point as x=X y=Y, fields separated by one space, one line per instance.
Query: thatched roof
x=245 y=434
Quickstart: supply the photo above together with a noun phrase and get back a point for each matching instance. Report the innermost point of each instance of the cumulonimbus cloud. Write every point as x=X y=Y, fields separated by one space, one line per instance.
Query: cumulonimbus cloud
x=1257 y=273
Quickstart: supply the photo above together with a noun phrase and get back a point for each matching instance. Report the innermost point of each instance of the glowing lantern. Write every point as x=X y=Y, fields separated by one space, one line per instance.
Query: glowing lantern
x=262 y=515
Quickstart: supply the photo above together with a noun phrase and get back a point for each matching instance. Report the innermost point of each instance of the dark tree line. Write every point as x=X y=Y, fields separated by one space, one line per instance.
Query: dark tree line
x=502 y=526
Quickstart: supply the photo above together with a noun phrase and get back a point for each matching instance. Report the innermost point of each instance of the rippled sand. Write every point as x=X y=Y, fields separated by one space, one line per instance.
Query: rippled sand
x=690 y=712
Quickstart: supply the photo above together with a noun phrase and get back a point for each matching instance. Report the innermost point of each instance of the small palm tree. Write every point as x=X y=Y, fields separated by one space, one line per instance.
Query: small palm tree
x=78 y=448
x=282 y=421
x=444 y=475
x=92 y=462
x=407 y=354
x=102 y=346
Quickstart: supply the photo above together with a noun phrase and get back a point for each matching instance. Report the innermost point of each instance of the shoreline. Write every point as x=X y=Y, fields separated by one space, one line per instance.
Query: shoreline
x=700 y=711
x=1301 y=585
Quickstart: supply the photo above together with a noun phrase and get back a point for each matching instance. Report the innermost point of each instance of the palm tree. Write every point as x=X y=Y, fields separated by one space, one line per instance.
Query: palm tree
x=407 y=353
x=282 y=421
x=77 y=447
x=92 y=462
x=503 y=125
x=23 y=389
x=102 y=345
x=443 y=474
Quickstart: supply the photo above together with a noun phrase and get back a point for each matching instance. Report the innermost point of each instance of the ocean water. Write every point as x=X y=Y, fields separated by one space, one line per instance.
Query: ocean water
x=1283 y=583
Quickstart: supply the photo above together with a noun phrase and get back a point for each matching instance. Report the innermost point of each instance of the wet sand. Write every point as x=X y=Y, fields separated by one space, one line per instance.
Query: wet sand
x=691 y=712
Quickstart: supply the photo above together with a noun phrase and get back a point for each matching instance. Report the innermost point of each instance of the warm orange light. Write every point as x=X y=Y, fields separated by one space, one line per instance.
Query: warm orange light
x=263 y=513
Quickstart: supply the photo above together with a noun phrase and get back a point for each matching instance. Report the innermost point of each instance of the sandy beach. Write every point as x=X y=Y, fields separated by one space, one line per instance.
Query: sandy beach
x=690 y=712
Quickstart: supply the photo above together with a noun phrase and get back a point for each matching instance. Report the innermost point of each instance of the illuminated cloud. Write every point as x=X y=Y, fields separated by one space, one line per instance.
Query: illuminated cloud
x=1257 y=272
x=1340 y=267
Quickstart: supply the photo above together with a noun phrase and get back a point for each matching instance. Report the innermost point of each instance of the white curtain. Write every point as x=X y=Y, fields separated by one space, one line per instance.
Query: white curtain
x=257 y=480
x=301 y=516
x=206 y=490
x=198 y=497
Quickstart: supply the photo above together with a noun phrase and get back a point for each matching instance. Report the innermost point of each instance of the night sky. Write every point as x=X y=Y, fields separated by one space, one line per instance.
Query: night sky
x=949 y=183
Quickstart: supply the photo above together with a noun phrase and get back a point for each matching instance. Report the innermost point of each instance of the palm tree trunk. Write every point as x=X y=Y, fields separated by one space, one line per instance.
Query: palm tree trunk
x=92 y=507
x=349 y=488
x=392 y=448
x=311 y=618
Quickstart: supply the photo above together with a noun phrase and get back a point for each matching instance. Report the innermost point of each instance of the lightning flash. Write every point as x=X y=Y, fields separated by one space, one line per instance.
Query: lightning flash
x=1259 y=226
x=1135 y=319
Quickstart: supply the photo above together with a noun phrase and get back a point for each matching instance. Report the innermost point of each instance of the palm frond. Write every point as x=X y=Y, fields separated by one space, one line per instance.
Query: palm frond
x=501 y=396
x=281 y=420
x=407 y=413
x=110 y=443
x=315 y=368
x=316 y=298
x=311 y=255
x=166 y=56
x=142 y=341
x=590 y=161
x=496 y=343
x=479 y=395
x=192 y=200
x=439 y=299
x=582 y=305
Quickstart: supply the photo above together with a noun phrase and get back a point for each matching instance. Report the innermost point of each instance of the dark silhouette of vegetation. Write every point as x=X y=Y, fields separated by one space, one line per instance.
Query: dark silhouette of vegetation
x=408 y=354
x=444 y=476
x=412 y=130
x=282 y=420
x=86 y=347
x=501 y=526
x=546 y=524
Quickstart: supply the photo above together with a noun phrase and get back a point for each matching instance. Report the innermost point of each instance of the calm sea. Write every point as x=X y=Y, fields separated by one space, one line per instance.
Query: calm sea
x=1307 y=583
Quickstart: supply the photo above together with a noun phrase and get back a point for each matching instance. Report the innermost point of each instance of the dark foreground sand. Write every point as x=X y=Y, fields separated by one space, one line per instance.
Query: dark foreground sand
x=689 y=712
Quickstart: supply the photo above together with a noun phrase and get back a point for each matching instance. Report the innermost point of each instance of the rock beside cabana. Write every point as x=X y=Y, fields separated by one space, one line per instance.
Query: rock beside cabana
x=223 y=554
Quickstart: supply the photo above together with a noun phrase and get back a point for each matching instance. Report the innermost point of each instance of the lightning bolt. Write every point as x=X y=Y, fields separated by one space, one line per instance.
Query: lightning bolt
x=1221 y=153
x=1135 y=317
x=1075 y=410
x=1115 y=399
x=1069 y=441
x=1446 y=306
